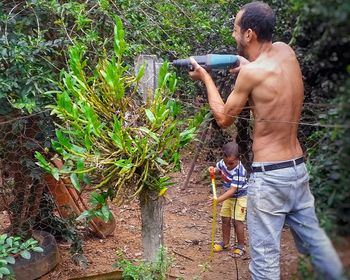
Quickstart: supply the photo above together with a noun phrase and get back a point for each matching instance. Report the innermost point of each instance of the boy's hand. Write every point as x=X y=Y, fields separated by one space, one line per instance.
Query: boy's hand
x=211 y=201
x=211 y=170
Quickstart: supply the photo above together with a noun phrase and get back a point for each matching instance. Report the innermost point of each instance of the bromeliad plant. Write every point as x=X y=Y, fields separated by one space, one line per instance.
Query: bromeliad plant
x=107 y=137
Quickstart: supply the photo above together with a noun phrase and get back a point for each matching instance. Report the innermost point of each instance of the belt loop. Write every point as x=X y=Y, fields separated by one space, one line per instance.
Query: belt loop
x=263 y=168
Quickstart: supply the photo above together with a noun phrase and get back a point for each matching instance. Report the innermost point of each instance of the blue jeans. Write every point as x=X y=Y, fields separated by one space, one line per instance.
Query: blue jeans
x=283 y=196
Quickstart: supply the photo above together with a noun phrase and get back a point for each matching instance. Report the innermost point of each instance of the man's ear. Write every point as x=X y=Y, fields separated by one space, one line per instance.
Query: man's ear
x=249 y=34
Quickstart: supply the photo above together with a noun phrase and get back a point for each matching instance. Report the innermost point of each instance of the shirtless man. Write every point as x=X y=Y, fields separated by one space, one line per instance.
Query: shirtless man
x=278 y=190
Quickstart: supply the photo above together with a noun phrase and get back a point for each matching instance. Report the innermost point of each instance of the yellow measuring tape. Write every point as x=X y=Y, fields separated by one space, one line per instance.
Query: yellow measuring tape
x=212 y=177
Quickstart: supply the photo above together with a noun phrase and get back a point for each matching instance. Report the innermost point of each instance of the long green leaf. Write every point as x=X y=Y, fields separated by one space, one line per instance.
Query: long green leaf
x=75 y=181
x=119 y=43
x=150 y=115
x=42 y=162
x=150 y=133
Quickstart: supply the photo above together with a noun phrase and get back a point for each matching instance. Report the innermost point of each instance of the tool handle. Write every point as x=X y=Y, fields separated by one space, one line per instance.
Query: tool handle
x=212 y=172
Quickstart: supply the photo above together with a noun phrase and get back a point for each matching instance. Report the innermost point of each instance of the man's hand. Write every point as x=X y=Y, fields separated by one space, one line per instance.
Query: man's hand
x=198 y=73
x=242 y=61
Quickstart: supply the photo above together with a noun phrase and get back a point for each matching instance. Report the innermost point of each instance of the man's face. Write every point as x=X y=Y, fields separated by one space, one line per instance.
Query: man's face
x=238 y=36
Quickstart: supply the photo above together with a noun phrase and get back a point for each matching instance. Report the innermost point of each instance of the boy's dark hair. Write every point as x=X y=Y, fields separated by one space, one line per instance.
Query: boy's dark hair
x=259 y=17
x=230 y=149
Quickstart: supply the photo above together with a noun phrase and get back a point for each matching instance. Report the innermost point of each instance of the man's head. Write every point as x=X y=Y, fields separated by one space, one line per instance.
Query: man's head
x=231 y=155
x=255 y=21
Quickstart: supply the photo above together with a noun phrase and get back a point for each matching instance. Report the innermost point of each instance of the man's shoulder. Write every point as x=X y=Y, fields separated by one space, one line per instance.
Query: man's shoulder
x=284 y=48
x=281 y=45
x=250 y=74
x=265 y=65
x=254 y=70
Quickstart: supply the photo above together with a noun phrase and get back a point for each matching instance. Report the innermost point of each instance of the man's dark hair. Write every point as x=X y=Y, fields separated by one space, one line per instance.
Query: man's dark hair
x=230 y=149
x=259 y=17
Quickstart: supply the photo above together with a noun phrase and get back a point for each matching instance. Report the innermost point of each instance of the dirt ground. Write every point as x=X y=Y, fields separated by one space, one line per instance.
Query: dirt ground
x=188 y=220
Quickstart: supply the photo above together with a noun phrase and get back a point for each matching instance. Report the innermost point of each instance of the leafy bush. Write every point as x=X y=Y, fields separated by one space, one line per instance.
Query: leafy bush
x=322 y=41
x=27 y=63
x=141 y=270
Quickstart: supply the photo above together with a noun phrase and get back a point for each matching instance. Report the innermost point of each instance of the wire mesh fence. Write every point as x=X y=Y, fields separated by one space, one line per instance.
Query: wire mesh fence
x=26 y=194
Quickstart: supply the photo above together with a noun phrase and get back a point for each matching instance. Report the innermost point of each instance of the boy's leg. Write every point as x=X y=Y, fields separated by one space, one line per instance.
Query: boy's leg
x=226 y=230
x=225 y=214
x=239 y=215
x=239 y=229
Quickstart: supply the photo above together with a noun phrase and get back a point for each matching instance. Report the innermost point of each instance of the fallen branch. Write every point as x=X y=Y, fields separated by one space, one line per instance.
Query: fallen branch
x=186 y=257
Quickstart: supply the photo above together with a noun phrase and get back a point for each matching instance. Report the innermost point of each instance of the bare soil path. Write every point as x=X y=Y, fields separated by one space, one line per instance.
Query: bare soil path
x=188 y=219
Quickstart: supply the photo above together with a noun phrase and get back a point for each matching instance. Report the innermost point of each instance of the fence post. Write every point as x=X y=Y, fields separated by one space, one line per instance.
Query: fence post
x=148 y=83
x=151 y=205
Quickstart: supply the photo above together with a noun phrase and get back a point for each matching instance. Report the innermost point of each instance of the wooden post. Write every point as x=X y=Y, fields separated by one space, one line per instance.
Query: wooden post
x=152 y=212
x=148 y=83
x=152 y=206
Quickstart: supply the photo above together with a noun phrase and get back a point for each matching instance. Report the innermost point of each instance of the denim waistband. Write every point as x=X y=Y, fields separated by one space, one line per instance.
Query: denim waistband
x=264 y=166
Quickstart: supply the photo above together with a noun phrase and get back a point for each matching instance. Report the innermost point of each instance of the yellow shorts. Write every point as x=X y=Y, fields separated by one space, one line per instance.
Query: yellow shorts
x=227 y=209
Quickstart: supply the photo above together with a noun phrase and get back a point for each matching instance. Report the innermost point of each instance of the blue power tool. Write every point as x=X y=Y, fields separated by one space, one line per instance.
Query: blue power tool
x=210 y=61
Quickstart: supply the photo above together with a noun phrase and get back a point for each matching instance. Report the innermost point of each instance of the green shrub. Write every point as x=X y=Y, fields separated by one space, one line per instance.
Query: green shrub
x=141 y=270
x=322 y=41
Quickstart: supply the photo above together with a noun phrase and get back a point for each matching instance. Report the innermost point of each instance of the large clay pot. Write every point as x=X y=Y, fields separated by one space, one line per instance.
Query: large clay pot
x=69 y=203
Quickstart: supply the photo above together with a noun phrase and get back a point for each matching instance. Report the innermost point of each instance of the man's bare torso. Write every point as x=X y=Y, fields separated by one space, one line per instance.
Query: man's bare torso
x=276 y=103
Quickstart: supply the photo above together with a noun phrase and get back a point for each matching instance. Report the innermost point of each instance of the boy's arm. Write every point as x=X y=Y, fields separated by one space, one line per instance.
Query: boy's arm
x=228 y=194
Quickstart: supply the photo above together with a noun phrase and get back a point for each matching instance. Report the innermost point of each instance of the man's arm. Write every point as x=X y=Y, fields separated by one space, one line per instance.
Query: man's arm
x=224 y=113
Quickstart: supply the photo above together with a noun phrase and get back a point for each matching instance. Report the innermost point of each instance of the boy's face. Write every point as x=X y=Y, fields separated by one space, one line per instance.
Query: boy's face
x=231 y=162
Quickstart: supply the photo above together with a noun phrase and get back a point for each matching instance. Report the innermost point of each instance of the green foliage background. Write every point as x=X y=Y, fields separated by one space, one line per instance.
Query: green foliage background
x=322 y=41
x=36 y=34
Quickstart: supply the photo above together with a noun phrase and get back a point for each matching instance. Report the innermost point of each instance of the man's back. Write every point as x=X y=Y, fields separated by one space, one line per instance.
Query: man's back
x=276 y=101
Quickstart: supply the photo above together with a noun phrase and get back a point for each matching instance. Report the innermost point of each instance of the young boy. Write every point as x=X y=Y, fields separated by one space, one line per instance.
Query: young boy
x=233 y=175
